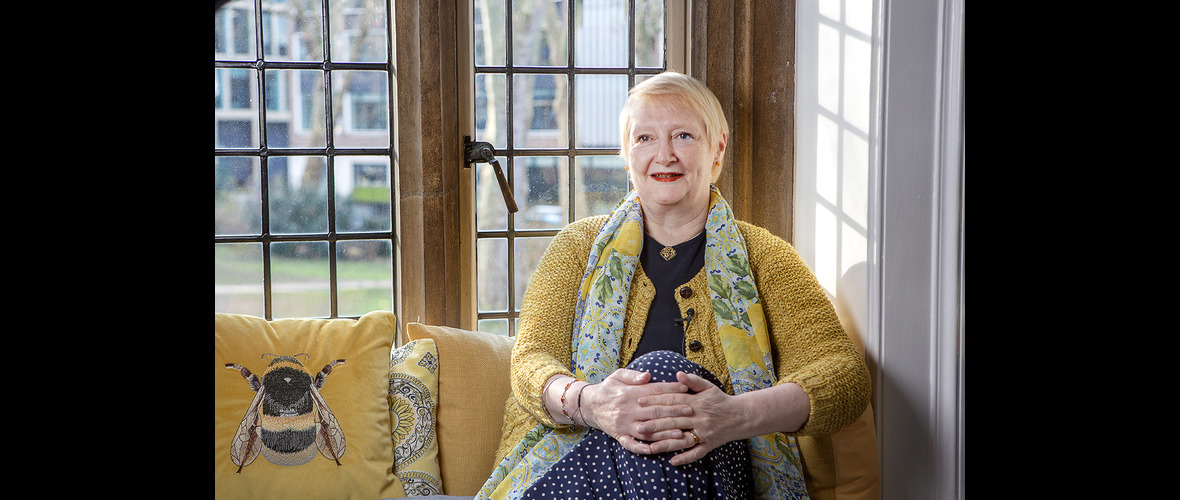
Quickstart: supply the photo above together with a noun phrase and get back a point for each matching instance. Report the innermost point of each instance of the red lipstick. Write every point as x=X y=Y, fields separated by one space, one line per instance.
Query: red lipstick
x=666 y=177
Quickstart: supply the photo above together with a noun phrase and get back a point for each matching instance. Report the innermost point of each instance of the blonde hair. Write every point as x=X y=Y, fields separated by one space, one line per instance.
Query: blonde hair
x=681 y=90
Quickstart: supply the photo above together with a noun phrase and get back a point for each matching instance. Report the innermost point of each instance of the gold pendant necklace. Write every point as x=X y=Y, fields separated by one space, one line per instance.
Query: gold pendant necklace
x=669 y=253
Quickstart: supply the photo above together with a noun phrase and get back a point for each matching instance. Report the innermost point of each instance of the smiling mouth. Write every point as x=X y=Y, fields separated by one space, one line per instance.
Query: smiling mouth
x=668 y=177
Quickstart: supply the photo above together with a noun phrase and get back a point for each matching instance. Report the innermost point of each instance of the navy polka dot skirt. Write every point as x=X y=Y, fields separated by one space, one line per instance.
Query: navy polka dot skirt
x=599 y=467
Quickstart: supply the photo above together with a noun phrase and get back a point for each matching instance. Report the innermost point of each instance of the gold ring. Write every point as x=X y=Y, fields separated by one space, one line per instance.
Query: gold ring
x=695 y=438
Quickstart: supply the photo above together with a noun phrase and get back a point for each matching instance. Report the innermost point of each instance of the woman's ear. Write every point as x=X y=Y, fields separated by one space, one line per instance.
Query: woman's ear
x=719 y=158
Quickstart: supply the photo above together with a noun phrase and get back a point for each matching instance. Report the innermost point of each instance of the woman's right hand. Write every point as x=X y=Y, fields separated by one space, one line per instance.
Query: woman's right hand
x=612 y=406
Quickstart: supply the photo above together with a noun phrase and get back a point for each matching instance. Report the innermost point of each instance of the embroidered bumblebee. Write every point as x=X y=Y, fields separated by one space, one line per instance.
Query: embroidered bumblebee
x=287 y=416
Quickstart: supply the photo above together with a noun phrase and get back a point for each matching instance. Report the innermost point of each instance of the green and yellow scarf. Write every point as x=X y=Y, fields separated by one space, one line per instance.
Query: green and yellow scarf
x=598 y=332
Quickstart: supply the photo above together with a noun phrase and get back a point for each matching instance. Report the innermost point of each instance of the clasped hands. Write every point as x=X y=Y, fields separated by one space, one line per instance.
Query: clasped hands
x=647 y=417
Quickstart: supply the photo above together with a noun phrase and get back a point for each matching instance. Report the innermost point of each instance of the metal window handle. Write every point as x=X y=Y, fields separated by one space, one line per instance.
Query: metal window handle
x=484 y=152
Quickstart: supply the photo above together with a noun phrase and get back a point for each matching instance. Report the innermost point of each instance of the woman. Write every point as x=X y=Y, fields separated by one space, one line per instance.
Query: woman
x=666 y=348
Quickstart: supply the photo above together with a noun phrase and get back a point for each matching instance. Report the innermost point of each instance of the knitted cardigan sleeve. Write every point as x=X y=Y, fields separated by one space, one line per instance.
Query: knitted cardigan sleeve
x=811 y=347
x=542 y=347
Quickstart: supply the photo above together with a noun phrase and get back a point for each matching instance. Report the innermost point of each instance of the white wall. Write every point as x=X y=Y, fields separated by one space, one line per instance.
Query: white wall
x=879 y=209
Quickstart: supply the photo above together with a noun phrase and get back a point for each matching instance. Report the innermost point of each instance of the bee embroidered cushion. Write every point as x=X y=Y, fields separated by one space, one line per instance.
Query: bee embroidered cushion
x=413 y=396
x=302 y=407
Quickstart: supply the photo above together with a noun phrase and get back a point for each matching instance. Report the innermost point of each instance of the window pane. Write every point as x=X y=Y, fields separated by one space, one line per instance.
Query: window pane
x=363 y=194
x=237 y=278
x=493 y=326
x=491 y=112
x=539 y=33
x=527 y=255
x=363 y=119
x=489 y=33
x=300 y=279
x=599 y=184
x=364 y=273
x=359 y=31
x=491 y=214
x=237 y=196
x=599 y=99
x=601 y=33
x=492 y=274
x=299 y=204
x=542 y=192
x=234 y=91
x=649 y=33
x=234 y=25
x=539 y=115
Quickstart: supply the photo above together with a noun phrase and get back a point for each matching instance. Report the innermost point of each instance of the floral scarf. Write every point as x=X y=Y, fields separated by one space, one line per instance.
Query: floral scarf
x=598 y=332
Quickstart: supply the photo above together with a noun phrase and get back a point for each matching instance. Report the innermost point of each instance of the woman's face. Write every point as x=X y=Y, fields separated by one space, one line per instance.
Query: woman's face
x=671 y=159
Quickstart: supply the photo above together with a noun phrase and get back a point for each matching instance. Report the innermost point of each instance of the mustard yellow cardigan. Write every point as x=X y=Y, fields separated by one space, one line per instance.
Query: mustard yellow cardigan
x=811 y=348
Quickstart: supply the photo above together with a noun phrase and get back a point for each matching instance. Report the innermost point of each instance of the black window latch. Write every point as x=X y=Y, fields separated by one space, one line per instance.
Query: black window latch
x=485 y=153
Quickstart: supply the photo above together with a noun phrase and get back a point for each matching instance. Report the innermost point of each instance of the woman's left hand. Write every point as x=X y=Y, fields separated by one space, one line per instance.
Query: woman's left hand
x=713 y=418
x=717 y=418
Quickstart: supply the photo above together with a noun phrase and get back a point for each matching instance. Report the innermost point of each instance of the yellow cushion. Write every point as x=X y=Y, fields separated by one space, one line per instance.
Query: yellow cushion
x=857 y=465
x=843 y=465
x=413 y=395
x=473 y=386
x=357 y=393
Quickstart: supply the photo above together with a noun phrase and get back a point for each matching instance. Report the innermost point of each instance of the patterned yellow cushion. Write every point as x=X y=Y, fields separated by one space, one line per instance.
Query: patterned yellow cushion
x=413 y=396
x=356 y=393
x=473 y=386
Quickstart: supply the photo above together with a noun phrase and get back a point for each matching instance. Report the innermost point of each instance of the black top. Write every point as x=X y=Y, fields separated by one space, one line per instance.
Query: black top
x=663 y=331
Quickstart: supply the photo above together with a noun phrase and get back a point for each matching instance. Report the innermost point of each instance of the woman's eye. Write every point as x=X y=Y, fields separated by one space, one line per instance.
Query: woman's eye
x=684 y=135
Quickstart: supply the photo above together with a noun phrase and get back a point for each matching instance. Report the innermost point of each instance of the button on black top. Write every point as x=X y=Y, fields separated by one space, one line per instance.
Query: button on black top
x=695 y=346
x=685 y=292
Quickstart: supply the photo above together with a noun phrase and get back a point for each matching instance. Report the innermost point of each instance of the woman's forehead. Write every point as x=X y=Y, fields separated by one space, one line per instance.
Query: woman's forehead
x=665 y=112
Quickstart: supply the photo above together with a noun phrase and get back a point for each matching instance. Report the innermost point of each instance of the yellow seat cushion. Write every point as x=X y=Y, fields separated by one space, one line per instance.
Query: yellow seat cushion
x=356 y=393
x=843 y=465
x=473 y=384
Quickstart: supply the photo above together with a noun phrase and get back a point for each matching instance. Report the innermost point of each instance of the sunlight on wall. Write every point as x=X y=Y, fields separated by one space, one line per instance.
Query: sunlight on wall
x=835 y=116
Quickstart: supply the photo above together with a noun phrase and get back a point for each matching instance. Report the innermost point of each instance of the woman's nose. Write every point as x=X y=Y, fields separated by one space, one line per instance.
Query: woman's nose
x=666 y=154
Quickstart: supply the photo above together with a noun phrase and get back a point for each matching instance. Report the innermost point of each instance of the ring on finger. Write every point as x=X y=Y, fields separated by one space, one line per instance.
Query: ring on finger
x=695 y=438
